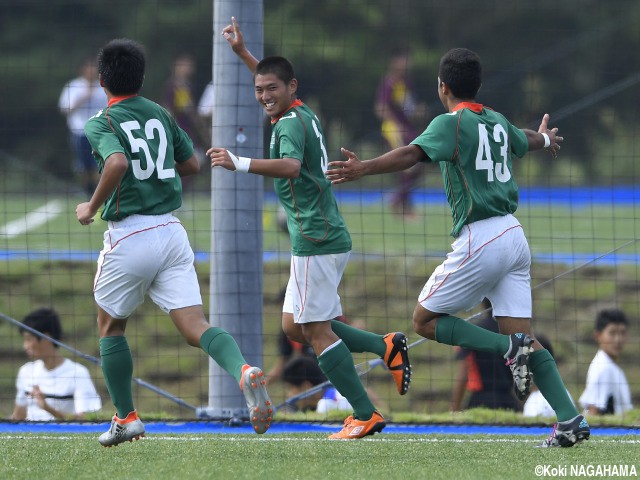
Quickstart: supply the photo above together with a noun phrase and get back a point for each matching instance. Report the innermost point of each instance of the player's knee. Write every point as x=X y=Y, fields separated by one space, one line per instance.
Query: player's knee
x=424 y=324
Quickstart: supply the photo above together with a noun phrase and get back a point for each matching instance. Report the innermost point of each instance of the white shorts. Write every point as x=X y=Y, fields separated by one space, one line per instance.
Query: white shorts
x=312 y=291
x=145 y=254
x=491 y=259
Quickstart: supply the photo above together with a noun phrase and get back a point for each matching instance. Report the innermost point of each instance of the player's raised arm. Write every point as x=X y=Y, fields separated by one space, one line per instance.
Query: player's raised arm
x=544 y=138
x=233 y=35
x=353 y=168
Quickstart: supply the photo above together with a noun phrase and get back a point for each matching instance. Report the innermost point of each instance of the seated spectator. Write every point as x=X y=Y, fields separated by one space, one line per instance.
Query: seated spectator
x=302 y=373
x=50 y=386
x=607 y=389
x=287 y=350
x=483 y=375
x=536 y=405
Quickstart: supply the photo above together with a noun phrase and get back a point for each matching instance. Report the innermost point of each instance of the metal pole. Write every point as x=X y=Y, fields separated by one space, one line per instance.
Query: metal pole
x=236 y=205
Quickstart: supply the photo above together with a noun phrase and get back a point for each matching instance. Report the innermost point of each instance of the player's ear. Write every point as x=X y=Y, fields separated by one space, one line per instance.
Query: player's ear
x=293 y=85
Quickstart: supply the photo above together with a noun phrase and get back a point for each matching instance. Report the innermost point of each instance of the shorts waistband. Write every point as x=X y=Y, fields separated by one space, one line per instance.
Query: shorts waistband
x=143 y=221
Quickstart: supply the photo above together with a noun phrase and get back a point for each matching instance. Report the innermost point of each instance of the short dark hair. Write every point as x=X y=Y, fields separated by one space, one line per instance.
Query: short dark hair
x=121 y=64
x=610 y=315
x=461 y=70
x=300 y=369
x=44 y=320
x=279 y=66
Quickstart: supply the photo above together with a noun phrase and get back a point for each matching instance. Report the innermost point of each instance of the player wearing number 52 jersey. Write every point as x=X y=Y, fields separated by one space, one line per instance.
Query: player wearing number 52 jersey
x=320 y=242
x=474 y=147
x=141 y=153
x=147 y=134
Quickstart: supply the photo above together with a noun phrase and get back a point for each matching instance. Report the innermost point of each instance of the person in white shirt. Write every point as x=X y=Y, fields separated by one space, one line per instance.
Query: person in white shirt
x=80 y=99
x=607 y=389
x=536 y=405
x=51 y=387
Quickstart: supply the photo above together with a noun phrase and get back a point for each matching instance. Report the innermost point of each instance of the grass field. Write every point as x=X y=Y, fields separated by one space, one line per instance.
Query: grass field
x=551 y=229
x=379 y=291
x=305 y=456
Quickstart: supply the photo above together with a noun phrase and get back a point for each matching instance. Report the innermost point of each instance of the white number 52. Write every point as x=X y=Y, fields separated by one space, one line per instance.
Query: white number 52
x=138 y=144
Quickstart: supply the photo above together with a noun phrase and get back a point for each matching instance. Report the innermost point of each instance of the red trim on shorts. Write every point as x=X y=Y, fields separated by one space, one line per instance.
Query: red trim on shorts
x=113 y=245
x=469 y=255
x=303 y=299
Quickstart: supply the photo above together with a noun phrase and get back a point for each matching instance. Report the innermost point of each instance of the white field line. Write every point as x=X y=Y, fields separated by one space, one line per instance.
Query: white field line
x=270 y=438
x=32 y=220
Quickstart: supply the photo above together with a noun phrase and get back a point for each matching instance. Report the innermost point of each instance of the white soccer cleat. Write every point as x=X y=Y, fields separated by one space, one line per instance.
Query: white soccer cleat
x=253 y=385
x=123 y=430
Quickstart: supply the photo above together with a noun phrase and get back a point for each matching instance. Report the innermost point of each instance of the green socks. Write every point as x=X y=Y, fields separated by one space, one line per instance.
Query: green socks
x=452 y=330
x=337 y=364
x=117 y=367
x=358 y=340
x=547 y=378
x=224 y=350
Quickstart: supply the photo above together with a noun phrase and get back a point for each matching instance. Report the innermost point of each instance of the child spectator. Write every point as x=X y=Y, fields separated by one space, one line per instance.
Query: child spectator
x=607 y=389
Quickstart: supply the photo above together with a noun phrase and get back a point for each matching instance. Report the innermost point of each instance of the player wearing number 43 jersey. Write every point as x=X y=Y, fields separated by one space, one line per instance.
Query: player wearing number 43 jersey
x=320 y=241
x=474 y=147
x=141 y=152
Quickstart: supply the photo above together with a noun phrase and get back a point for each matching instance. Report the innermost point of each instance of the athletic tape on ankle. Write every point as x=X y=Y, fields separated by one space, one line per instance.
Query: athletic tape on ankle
x=242 y=164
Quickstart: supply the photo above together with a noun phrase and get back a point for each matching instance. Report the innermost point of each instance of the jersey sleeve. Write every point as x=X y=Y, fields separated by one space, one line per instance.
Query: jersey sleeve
x=597 y=390
x=102 y=138
x=182 y=143
x=85 y=396
x=290 y=133
x=438 y=141
x=21 y=387
x=519 y=141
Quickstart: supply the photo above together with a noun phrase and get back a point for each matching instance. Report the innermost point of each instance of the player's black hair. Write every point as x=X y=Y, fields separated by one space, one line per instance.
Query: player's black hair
x=611 y=315
x=279 y=66
x=300 y=369
x=121 y=65
x=44 y=320
x=461 y=70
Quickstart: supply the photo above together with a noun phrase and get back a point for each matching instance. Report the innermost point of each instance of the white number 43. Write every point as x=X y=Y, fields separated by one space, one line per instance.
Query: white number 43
x=483 y=158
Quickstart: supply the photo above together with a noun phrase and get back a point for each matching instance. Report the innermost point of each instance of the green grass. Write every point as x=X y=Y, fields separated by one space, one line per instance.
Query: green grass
x=378 y=293
x=301 y=456
x=374 y=229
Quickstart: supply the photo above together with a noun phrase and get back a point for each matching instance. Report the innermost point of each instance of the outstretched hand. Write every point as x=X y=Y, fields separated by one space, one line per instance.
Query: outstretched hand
x=233 y=35
x=345 y=170
x=220 y=158
x=554 y=138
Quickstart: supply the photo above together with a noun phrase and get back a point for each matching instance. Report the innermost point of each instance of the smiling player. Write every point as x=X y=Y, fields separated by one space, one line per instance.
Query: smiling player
x=320 y=241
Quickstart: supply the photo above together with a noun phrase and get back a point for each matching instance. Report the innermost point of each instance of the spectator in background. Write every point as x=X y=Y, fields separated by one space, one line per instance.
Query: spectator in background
x=536 y=405
x=397 y=108
x=287 y=350
x=607 y=389
x=302 y=373
x=205 y=105
x=180 y=101
x=484 y=375
x=50 y=386
x=81 y=98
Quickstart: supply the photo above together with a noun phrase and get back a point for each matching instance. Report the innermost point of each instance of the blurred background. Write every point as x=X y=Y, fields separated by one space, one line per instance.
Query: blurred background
x=578 y=60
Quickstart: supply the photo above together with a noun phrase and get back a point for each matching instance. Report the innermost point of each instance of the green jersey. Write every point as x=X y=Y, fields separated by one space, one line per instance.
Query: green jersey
x=315 y=224
x=152 y=141
x=474 y=146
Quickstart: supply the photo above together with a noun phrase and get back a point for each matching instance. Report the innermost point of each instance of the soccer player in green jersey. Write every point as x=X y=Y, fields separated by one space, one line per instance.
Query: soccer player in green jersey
x=141 y=154
x=320 y=241
x=474 y=146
